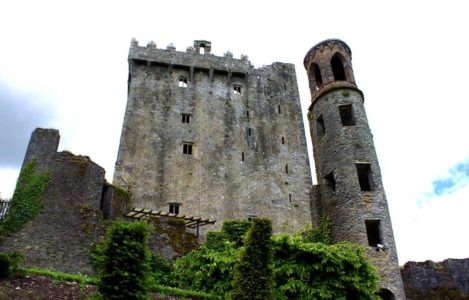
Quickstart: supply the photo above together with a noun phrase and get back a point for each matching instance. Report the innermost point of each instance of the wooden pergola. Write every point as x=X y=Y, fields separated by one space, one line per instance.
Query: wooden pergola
x=191 y=222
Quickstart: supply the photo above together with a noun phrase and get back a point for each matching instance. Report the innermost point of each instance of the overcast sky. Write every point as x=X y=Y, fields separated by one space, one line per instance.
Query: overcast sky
x=63 y=64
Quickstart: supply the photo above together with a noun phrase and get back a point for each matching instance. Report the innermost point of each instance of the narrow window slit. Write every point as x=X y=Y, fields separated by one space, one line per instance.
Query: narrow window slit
x=279 y=109
x=364 y=176
x=286 y=168
x=329 y=181
x=320 y=129
x=289 y=197
x=283 y=140
x=242 y=156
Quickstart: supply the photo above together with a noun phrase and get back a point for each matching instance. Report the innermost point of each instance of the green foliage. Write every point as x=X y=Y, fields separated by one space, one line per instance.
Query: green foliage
x=252 y=276
x=206 y=269
x=321 y=234
x=62 y=277
x=26 y=203
x=160 y=270
x=306 y=270
x=234 y=230
x=304 y=266
x=124 y=266
x=10 y=264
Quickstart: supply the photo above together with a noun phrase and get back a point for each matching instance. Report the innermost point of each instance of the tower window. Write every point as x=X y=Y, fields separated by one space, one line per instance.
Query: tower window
x=283 y=140
x=286 y=168
x=320 y=129
x=242 y=156
x=174 y=208
x=237 y=89
x=186 y=118
x=187 y=148
x=317 y=75
x=249 y=131
x=337 y=67
x=279 y=109
x=373 y=232
x=182 y=82
x=346 y=115
x=289 y=197
x=364 y=176
x=329 y=181
x=247 y=114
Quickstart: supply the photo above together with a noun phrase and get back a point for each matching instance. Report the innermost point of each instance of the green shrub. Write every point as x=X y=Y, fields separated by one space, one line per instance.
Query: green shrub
x=160 y=270
x=235 y=230
x=252 y=276
x=306 y=270
x=26 y=203
x=123 y=268
x=206 y=269
x=10 y=264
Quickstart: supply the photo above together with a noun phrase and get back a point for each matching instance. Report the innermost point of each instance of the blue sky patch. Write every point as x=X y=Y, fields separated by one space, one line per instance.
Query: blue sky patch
x=458 y=177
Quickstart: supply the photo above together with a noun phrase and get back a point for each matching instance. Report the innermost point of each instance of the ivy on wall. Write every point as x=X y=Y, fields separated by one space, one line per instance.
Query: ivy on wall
x=27 y=201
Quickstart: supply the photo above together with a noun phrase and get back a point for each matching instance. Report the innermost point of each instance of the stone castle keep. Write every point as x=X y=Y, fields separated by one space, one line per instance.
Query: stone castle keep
x=214 y=138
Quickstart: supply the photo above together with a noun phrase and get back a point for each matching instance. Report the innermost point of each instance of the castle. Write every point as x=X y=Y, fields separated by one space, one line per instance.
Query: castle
x=208 y=138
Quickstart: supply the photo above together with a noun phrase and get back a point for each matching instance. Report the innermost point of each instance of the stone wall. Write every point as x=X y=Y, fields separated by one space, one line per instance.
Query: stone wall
x=245 y=130
x=435 y=281
x=61 y=236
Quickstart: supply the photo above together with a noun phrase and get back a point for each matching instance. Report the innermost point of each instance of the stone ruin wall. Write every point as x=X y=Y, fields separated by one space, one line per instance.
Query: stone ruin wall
x=78 y=206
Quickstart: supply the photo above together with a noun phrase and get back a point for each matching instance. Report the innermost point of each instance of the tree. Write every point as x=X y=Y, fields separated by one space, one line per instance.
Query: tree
x=252 y=278
x=124 y=266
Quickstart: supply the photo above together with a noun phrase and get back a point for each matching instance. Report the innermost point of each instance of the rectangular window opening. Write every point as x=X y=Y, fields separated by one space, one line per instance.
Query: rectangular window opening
x=182 y=82
x=320 y=129
x=174 y=208
x=289 y=197
x=237 y=89
x=247 y=114
x=187 y=148
x=346 y=115
x=279 y=109
x=242 y=156
x=283 y=140
x=373 y=234
x=329 y=181
x=186 y=118
x=286 y=168
x=364 y=176
x=249 y=131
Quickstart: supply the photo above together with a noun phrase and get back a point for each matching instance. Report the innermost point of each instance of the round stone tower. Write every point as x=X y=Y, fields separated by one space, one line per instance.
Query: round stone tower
x=349 y=191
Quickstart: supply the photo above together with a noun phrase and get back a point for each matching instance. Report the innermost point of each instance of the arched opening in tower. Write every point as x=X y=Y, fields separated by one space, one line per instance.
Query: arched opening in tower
x=316 y=74
x=386 y=294
x=338 y=67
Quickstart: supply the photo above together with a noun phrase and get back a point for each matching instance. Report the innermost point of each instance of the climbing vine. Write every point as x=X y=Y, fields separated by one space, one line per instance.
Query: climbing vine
x=27 y=201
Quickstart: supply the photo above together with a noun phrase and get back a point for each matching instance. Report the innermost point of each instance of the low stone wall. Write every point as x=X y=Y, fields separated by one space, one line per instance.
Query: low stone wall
x=442 y=280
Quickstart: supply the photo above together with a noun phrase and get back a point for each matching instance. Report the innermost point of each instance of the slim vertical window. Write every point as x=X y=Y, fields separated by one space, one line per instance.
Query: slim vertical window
x=283 y=140
x=320 y=129
x=242 y=156
x=187 y=148
x=329 y=181
x=279 y=109
x=186 y=118
x=373 y=232
x=249 y=131
x=289 y=197
x=364 y=176
x=247 y=114
x=286 y=168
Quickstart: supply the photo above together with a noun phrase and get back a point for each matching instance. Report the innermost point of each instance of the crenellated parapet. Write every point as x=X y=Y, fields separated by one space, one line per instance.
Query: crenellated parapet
x=197 y=56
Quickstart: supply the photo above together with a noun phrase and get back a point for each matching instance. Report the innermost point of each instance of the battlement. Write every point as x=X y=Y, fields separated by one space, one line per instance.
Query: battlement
x=197 y=56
